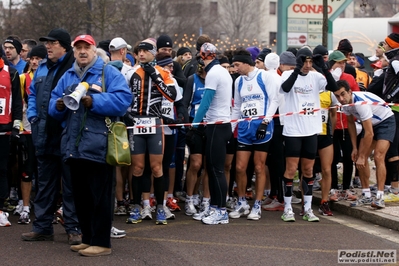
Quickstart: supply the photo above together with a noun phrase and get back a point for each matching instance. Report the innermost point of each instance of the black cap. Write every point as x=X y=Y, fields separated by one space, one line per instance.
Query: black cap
x=60 y=35
x=304 y=52
x=39 y=51
x=15 y=42
x=320 y=49
x=345 y=46
x=164 y=41
x=183 y=50
x=104 y=44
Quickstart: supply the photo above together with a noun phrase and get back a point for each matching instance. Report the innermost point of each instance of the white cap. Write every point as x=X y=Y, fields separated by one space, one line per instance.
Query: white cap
x=117 y=44
x=272 y=61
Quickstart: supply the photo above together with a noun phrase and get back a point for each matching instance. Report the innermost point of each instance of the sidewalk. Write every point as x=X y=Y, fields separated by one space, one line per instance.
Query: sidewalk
x=387 y=217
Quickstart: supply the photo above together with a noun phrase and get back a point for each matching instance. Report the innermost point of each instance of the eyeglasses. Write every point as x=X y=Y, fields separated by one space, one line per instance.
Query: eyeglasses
x=9 y=47
x=51 y=43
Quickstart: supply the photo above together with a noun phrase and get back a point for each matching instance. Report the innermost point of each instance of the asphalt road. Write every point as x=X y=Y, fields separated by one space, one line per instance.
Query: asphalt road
x=184 y=241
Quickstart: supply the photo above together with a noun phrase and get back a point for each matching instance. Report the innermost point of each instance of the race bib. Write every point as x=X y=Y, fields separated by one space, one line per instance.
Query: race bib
x=307 y=108
x=251 y=108
x=2 y=106
x=324 y=116
x=167 y=109
x=144 y=126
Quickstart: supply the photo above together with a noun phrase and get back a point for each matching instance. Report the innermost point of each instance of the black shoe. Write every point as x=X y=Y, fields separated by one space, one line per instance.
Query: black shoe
x=32 y=236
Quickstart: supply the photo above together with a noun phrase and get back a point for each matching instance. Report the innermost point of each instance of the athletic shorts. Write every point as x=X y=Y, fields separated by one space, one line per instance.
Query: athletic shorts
x=198 y=142
x=301 y=147
x=247 y=132
x=385 y=130
x=254 y=147
x=146 y=137
x=324 y=141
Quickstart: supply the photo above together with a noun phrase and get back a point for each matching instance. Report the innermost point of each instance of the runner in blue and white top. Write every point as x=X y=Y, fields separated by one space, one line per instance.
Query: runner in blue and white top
x=255 y=95
x=379 y=125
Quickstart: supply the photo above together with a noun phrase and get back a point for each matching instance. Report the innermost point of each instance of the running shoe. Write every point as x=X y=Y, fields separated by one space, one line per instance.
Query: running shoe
x=216 y=217
x=255 y=214
x=120 y=210
x=334 y=195
x=356 y=182
x=324 y=209
x=231 y=203
x=348 y=195
x=116 y=233
x=361 y=201
x=146 y=213
x=391 y=197
x=169 y=215
x=4 y=219
x=161 y=217
x=153 y=204
x=24 y=218
x=241 y=209
x=172 y=205
x=196 y=201
x=135 y=216
x=310 y=217
x=19 y=209
x=275 y=205
x=189 y=208
x=378 y=203
x=203 y=212
x=295 y=199
x=267 y=201
x=288 y=216
x=316 y=185
x=181 y=195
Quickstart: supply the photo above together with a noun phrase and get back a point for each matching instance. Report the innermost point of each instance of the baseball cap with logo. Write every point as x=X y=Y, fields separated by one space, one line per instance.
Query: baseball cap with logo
x=117 y=44
x=84 y=38
x=337 y=56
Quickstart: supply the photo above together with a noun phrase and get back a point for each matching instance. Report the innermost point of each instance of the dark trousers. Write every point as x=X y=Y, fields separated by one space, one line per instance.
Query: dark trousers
x=217 y=137
x=51 y=170
x=4 y=157
x=92 y=190
x=342 y=143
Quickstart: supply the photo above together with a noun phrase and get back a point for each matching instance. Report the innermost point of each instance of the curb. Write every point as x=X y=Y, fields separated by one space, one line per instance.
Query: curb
x=364 y=213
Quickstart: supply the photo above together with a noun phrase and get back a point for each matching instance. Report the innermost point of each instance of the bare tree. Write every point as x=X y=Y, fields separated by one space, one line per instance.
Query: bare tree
x=238 y=17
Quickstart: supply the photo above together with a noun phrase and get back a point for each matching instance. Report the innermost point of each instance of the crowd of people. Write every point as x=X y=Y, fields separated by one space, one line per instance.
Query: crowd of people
x=244 y=116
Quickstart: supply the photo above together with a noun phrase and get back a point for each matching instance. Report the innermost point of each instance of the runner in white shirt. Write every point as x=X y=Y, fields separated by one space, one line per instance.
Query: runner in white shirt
x=301 y=88
x=255 y=95
x=378 y=132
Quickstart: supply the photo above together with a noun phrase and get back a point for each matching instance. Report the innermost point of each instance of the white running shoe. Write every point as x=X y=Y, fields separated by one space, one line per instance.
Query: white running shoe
x=255 y=214
x=116 y=233
x=146 y=213
x=203 y=212
x=288 y=216
x=242 y=208
x=4 y=219
x=310 y=217
x=216 y=217
x=19 y=209
x=295 y=199
x=168 y=214
x=189 y=208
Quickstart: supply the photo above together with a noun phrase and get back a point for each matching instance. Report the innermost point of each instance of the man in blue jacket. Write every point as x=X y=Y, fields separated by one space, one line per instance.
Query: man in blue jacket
x=84 y=141
x=46 y=136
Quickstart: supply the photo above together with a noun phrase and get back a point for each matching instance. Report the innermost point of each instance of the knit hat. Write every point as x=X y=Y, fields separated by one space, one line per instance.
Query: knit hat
x=393 y=40
x=117 y=44
x=345 y=45
x=16 y=43
x=201 y=40
x=304 y=52
x=262 y=55
x=39 y=51
x=272 y=61
x=320 y=49
x=183 y=50
x=60 y=35
x=292 y=50
x=360 y=58
x=287 y=58
x=104 y=44
x=254 y=52
x=164 y=41
x=149 y=45
x=163 y=59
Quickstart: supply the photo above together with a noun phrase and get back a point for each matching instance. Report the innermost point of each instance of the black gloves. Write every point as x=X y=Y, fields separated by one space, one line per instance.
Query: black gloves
x=150 y=70
x=128 y=119
x=167 y=121
x=87 y=101
x=60 y=105
x=300 y=61
x=261 y=131
x=15 y=134
x=318 y=60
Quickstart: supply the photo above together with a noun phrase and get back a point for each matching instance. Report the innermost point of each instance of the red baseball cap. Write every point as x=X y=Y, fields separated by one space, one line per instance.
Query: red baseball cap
x=85 y=38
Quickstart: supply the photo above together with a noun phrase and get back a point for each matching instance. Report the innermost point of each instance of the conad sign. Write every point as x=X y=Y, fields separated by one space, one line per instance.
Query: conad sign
x=314 y=9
